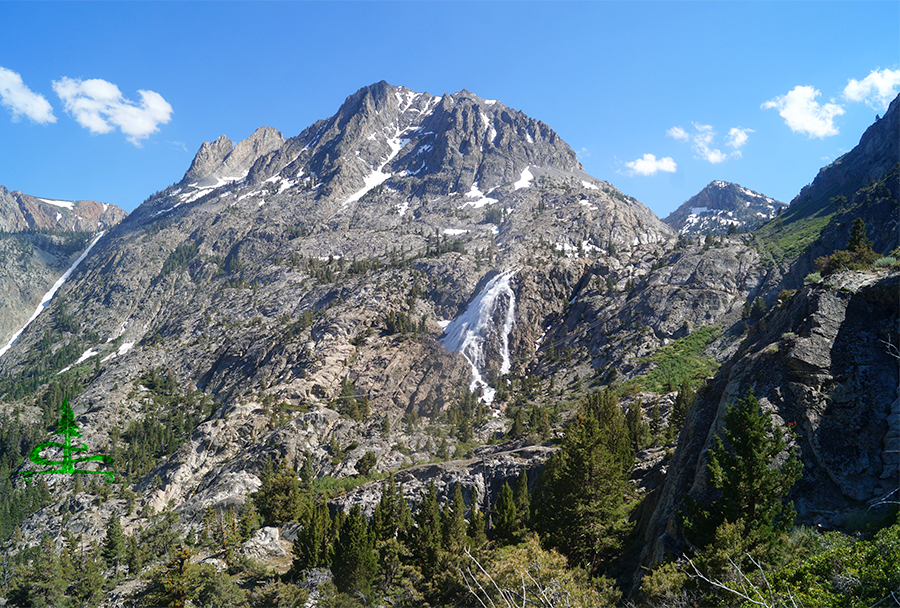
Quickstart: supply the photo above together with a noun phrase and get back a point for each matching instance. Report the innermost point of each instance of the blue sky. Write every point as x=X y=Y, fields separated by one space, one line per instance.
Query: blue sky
x=110 y=101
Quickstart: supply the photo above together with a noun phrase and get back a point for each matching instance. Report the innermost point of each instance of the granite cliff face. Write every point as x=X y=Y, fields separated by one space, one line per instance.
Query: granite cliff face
x=824 y=363
x=824 y=360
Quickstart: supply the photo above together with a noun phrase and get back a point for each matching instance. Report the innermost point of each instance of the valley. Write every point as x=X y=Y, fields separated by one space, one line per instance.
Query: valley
x=416 y=345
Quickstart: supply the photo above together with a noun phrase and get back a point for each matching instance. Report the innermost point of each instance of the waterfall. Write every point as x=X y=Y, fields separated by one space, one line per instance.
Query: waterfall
x=475 y=333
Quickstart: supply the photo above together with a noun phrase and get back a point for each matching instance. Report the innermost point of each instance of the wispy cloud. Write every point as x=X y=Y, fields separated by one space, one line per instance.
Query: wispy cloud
x=650 y=165
x=877 y=89
x=702 y=144
x=703 y=141
x=803 y=114
x=22 y=101
x=99 y=106
x=678 y=133
x=736 y=139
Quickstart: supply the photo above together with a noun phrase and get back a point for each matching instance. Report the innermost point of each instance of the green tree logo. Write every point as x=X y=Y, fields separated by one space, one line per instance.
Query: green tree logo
x=68 y=429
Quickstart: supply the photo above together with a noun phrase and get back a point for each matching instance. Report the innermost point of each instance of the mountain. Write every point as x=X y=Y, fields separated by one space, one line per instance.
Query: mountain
x=723 y=207
x=20 y=212
x=823 y=360
x=39 y=240
x=340 y=255
x=421 y=284
x=863 y=183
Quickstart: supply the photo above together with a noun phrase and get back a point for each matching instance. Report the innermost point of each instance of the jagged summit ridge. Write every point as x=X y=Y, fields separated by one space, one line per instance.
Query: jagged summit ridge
x=221 y=162
x=20 y=211
x=722 y=207
x=416 y=144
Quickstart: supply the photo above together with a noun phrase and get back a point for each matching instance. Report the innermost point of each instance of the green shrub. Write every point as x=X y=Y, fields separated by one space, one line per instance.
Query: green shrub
x=679 y=361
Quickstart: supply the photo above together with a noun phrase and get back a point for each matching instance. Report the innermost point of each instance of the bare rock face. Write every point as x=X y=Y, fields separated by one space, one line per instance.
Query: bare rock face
x=480 y=478
x=222 y=162
x=19 y=212
x=825 y=365
x=265 y=545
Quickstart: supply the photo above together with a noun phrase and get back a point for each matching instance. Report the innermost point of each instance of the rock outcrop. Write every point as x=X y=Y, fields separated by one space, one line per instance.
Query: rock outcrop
x=825 y=364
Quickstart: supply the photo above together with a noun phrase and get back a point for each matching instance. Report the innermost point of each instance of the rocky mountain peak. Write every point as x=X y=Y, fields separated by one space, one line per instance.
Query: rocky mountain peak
x=20 y=211
x=722 y=207
x=222 y=162
x=416 y=144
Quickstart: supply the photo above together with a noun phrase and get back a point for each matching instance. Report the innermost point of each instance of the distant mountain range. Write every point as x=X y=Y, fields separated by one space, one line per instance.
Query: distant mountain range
x=20 y=212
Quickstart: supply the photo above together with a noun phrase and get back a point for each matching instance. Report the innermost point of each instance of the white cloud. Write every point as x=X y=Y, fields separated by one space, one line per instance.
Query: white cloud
x=22 y=101
x=702 y=144
x=877 y=89
x=98 y=105
x=736 y=139
x=677 y=133
x=803 y=114
x=649 y=165
x=704 y=137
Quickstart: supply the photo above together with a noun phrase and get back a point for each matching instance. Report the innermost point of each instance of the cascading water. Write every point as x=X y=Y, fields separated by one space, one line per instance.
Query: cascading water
x=475 y=331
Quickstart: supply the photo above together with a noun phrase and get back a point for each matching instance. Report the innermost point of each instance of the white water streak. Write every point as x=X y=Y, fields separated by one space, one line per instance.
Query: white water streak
x=45 y=301
x=469 y=332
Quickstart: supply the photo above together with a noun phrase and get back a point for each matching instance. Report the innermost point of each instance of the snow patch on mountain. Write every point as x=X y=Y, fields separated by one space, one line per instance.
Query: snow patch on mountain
x=45 y=301
x=524 y=180
x=55 y=203
x=481 y=198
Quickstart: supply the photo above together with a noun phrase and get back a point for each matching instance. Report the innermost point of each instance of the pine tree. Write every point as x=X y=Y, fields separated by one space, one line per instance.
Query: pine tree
x=278 y=498
x=751 y=489
x=505 y=518
x=45 y=585
x=386 y=518
x=583 y=485
x=134 y=555
x=523 y=500
x=307 y=475
x=249 y=520
x=476 y=532
x=114 y=543
x=454 y=522
x=89 y=583
x=637 y=428
x=428 y=536
x=365 y=464
x=176 y=583
x=518 y=426
x=354 y=565
x=858 y=241
x=312 y=547
x=680 y=409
